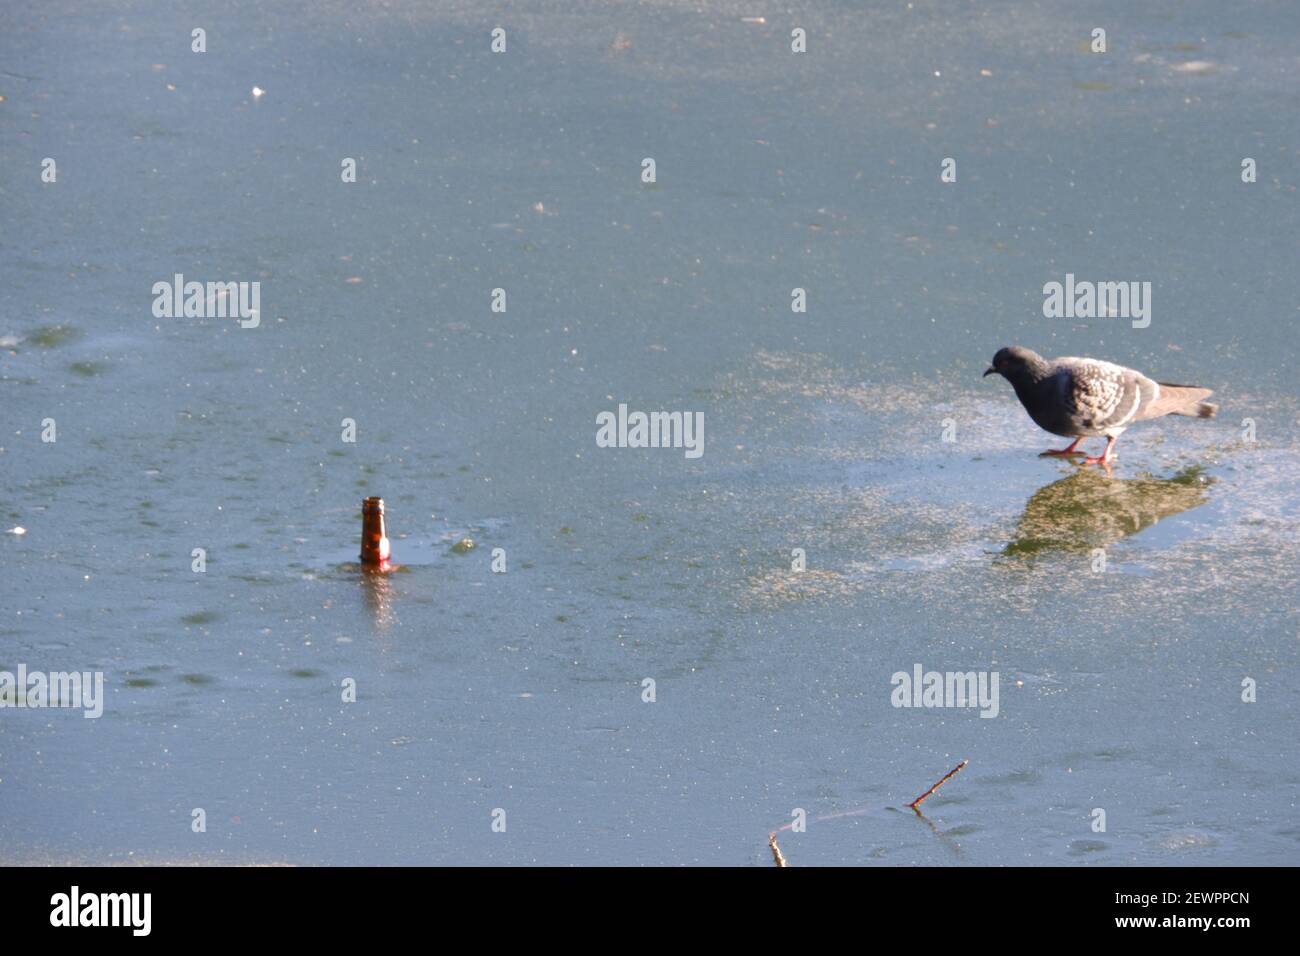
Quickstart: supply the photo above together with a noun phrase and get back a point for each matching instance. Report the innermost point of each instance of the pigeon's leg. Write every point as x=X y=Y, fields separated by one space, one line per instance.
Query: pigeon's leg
x=1105 y=457
x=1063 y=452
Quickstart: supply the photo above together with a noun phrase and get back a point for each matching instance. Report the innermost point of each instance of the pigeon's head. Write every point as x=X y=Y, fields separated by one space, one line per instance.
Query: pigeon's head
x=1015 y=363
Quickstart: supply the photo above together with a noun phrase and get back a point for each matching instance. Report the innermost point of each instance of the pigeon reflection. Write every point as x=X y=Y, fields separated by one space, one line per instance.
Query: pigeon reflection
x=1090 y=510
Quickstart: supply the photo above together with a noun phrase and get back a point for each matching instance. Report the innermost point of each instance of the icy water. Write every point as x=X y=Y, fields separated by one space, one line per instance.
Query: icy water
x=1120 y=690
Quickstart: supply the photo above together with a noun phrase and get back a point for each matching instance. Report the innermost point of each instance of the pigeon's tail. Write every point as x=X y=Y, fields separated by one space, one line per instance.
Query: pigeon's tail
x=1182 y=400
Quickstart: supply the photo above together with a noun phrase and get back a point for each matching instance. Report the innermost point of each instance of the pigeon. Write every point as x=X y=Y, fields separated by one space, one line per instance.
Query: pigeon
x=1082 y=398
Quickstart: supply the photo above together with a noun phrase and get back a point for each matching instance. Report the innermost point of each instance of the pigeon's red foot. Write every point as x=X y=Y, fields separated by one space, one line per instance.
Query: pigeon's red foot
x=1105 y=458
x=1065 y=452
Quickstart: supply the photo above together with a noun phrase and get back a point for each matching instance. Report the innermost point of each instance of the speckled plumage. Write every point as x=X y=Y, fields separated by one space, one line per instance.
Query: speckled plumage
x=1102 y=397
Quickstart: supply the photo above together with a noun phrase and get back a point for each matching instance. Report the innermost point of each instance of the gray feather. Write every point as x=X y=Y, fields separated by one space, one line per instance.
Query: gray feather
x=1181 y=400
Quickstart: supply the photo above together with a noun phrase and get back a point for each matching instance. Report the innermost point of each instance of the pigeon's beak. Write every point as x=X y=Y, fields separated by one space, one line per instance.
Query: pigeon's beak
x=989 y=371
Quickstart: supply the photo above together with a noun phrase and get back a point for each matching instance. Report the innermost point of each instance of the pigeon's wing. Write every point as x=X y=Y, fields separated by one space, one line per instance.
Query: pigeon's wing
x=1179 y=400
x=1103 y=397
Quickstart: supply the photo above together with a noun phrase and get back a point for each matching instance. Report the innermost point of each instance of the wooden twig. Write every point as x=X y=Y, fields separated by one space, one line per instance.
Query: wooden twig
x=915 y=806
x=776 y=850
x=917 y=802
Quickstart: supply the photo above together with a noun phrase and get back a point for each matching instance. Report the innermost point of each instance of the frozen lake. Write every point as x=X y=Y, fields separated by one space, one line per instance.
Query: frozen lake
x=1120 y=690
